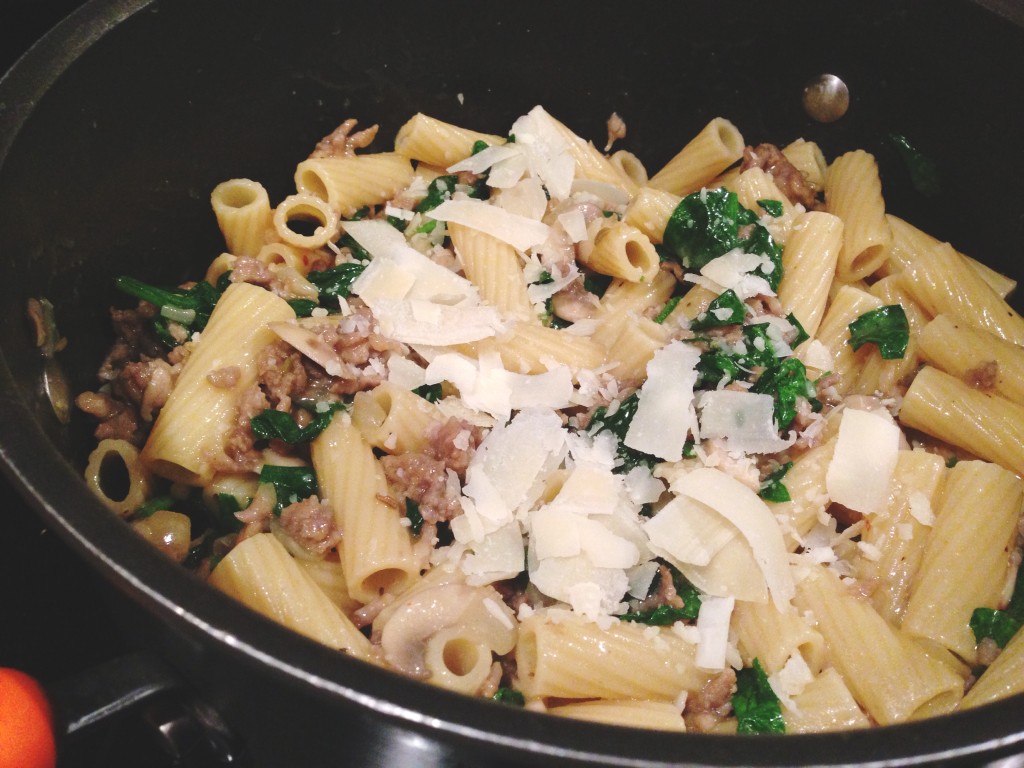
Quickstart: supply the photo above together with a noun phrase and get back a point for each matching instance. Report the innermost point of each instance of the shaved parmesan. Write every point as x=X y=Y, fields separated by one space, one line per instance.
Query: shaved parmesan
x=525 y=198
x=486 y=158
x=713 y=625
x=423 y=322
x=497 y=556
x=751 y=516
x=688 y=532
x=399 y=271
x=744 y=420
x=791 y=680
x=816 y=355
x=514 y=459
x=518 y=231
x=665 y=415
x=547 y=151
x=602 y=190
x=485 y=385
x=554 y=533
x=404 y=373
x=640 y=579
x=574 y=224
x=921 y=508
x=861 y=469
x=732 y=271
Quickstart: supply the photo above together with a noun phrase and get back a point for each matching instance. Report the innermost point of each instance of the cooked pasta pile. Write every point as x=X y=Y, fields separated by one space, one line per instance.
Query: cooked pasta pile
x=724 y=448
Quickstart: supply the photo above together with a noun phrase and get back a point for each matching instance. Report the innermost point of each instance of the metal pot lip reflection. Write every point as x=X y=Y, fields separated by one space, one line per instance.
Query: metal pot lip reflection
x=42 y=460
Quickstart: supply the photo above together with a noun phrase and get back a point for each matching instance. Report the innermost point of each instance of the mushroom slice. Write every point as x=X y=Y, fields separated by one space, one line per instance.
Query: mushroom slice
x=309 y=343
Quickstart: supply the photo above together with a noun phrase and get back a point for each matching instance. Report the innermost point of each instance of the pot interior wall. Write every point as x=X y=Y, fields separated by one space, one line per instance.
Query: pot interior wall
x=110 y=172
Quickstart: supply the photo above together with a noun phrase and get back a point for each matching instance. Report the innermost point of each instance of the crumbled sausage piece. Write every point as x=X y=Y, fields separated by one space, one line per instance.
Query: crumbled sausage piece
x=984 y=376
x=341 y=142
x=616 y=130
x=712 y=704
x=310 y=523
x=788 y=178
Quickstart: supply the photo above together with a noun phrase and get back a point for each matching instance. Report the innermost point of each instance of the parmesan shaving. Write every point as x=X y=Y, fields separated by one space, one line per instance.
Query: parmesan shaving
x=745 y=420
x=518 y=231
x=665 y=413
x=713 y=625
x=860 y=473
x=752 y=518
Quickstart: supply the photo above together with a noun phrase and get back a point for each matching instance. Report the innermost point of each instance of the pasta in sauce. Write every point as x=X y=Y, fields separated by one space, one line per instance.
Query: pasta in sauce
x=685 y=451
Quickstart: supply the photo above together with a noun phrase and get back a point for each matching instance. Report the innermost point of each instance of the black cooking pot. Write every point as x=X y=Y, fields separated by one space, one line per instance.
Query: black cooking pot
x=116 y=127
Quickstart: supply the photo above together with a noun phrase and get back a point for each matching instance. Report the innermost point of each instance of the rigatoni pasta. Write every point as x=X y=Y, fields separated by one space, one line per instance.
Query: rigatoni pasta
x=505 y=415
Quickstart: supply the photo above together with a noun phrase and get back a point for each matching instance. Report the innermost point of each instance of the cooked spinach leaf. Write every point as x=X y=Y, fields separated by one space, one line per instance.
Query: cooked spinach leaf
x=509 y=696
x=924 y=173
x=1001 y=624
x=188 y=307
x=335 y=282
x=724 y=309
x=291 y=484
x=772 y=488
x=412 y=513
x=277 y=425
x=709 y=223
x=787 y=383
x=886 y=327
x=618 y=424
x=757 y=708
x=440 y=189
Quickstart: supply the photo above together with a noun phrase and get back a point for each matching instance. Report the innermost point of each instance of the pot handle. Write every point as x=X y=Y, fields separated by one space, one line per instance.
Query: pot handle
x=50 y=716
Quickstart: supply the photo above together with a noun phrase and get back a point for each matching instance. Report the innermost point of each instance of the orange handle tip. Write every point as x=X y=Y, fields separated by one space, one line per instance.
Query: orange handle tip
x=27 y=738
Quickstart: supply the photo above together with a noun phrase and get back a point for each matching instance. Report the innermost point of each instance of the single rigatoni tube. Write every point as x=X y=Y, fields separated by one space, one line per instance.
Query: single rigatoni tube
x=188 y=437
x=650 y=210
x=297 y=211
x=825 y=704
x=350 y=183
x=376 y=551
x=853 y=192
x=261 y=574
x=809 y=266
x=900 y=531
x=715 y=148
x=986 y=425
x=974 y=355
x=575 y=659
x=967 y=557
x=623 y=297
x=807 y=157
x=909 y=244
x=244 y=216
x=436 y=142
x=1003 y=677
x=495 y=268
x=622 y=251
x=890 y=377
x=805 y=482
x=393 y=419
x=767 y=634
x=756 y=184
x=531 y=348
x=847 y=305
x=945 y=284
